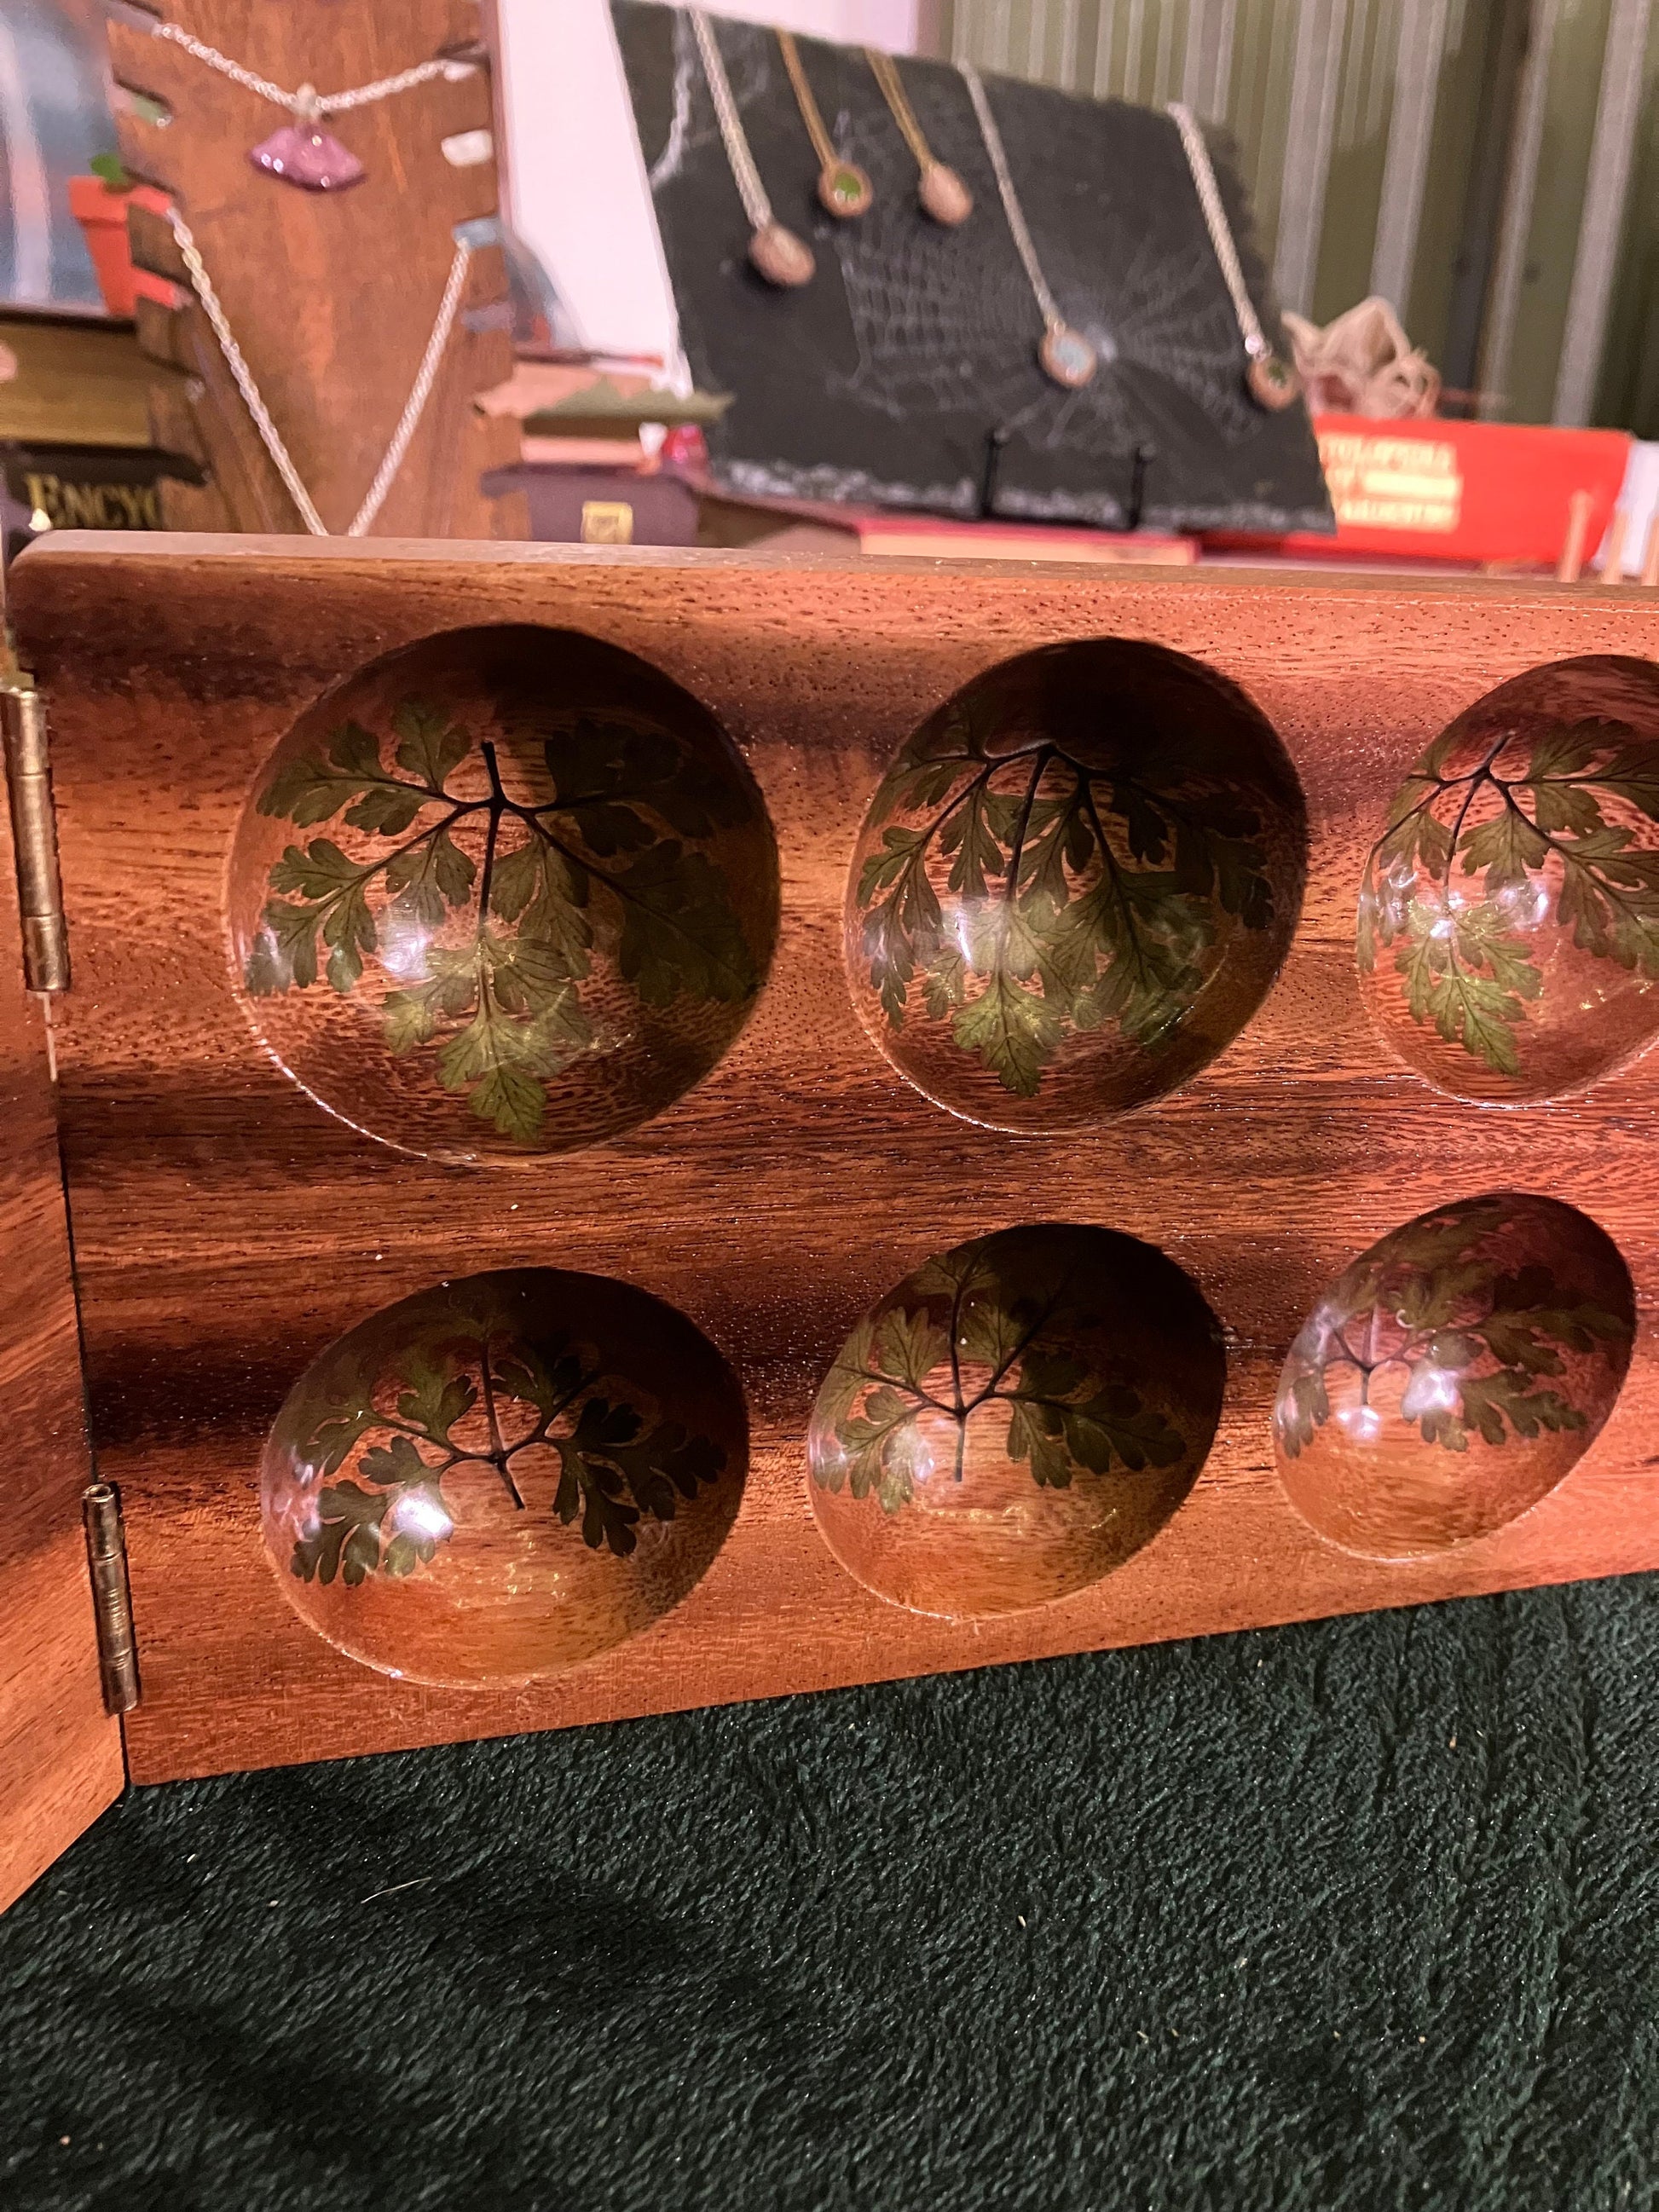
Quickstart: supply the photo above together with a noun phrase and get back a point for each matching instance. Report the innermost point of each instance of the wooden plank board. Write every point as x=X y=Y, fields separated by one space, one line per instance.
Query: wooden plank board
x=228 y=1230
x=60 y=1754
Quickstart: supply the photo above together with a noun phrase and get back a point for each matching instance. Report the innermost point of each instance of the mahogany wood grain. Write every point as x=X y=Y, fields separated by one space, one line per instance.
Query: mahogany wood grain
x=331 y=296
x=227 y=1229
x=60 y=1754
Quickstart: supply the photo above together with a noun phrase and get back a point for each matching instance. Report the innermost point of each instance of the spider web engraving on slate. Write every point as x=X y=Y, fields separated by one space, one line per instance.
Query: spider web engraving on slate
x=881 y=380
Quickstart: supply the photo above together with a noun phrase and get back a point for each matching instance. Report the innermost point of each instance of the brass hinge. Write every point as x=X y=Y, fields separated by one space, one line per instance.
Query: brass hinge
x=112 y=1594
x=34 y=837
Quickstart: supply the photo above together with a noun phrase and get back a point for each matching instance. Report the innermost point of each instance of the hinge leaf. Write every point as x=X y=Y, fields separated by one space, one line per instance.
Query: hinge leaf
x=35 y=838
x=112 y=1594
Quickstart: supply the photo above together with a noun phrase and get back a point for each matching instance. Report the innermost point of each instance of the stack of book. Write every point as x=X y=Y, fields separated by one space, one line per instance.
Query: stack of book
x=75 y=440
x=601 y=441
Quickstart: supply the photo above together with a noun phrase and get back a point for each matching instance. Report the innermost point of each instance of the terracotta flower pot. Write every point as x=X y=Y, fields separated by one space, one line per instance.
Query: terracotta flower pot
x=101 y=212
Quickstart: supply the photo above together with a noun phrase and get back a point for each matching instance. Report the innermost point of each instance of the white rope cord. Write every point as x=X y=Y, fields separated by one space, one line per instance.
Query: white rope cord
x=1047 y=308
x=745 y=175
x=1221 y=235
x=271 y=438
x=307 y=102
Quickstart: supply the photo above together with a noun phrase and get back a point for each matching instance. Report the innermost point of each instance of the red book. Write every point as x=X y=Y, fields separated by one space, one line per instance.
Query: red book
x=1469 y=492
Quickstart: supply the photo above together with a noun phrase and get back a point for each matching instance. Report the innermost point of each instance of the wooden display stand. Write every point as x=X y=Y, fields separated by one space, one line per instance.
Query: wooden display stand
x=769 y=1179
x=331 y=296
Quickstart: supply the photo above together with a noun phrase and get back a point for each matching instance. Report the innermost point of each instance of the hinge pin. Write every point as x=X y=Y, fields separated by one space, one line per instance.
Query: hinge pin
x=112 y=1594
x=34 y=836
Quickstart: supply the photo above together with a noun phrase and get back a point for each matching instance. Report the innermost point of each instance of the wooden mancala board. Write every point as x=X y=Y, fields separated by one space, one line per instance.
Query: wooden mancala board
x=650 y=1129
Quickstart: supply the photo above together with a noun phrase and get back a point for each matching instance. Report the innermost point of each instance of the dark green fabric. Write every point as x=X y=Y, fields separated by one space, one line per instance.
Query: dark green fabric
x=1332 y=1919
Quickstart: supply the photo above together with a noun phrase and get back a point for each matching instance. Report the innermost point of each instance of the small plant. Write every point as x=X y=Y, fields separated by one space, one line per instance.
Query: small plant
x=969 y=1338
x=111 y=170
x=1087 y=895
x=485 y=910
x=481 y=1395
x=1482 y=1347
x=1527 y=831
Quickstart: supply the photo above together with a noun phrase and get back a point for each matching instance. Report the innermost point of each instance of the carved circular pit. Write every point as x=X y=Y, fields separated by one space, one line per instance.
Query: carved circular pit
x=497 y=1478
x=1015 y=1420
x=1453 y=1375
x=1074 y=885
x=1508 y=912
x=505 y=893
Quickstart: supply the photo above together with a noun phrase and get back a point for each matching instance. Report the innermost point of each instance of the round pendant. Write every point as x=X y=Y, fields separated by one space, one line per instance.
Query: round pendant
x=1273 y=383
x=944 y=196
x=1066 y=356
x=844 y=189
x=781 y=256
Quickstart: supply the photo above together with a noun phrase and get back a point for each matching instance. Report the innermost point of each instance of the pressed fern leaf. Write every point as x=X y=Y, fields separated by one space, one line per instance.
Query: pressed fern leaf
x=484 y=945
x=967 y=1338
x=618 y=1466
x=1085 y=896
x=1529 y=821
x=1064 y=1420
x=1470 y=1340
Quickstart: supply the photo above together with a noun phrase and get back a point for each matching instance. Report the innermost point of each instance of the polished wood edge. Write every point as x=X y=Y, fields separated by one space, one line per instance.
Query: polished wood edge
x=89 y=549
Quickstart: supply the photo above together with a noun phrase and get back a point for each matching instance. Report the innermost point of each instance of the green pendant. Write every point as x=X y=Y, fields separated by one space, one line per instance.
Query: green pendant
x=1273 y=383
x=844 y=189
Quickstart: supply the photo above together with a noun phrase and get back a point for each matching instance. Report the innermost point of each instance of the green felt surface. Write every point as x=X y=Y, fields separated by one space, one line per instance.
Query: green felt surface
x=1346 y=1918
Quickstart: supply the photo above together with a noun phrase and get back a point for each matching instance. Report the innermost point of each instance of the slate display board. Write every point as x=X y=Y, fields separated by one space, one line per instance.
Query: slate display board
x=881 y=380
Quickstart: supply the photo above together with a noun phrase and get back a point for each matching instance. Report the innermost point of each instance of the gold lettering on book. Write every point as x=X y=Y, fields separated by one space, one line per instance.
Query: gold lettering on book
x=1378 y=483
x=68 y=504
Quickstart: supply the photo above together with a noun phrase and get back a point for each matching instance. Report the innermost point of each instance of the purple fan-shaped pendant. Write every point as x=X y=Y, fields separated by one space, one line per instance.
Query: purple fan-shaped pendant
x=304 y=156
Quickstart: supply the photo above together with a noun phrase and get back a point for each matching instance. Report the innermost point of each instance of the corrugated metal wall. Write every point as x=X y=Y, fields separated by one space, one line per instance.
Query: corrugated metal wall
x=1369 y=131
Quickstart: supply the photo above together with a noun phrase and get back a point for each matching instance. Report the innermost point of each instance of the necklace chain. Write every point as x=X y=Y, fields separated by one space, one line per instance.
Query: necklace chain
x=307 y=102
x=750 y=190
x=811 y=114
x=1052 y=318
x=271 y=438
x=1220 y=230
x=885 y=69
x=758 y=207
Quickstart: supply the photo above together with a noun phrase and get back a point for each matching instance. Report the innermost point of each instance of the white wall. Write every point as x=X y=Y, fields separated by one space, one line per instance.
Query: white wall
x=575 y=181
